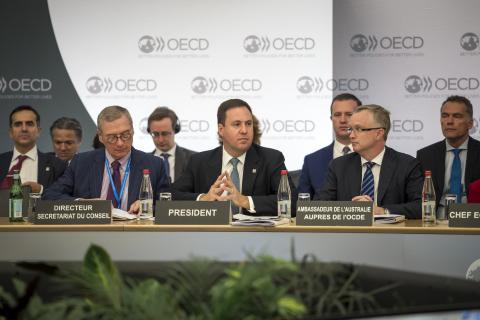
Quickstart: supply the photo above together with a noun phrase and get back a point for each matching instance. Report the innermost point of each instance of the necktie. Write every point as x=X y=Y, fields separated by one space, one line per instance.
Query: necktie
x=236 y=180
x=456 y=175
x=117 y=182
x=167 y=165
x=8 y=180
x=368 y=183
x=345 y=150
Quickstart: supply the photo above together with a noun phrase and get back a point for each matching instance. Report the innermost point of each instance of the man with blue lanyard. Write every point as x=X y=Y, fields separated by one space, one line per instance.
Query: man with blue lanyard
x=113 y=173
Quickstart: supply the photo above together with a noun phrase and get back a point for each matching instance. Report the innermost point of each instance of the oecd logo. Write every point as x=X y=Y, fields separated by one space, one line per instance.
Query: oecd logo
x=307 y=85
x=415 y=84
x=149 y=44
x=25 y=84
x=360 y=43
x=469 y=41
x=254 y=44
x=201 y=85
x=96 y=85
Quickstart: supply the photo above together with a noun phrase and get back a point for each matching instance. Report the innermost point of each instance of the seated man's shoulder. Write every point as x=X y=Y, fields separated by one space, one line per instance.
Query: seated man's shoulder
x=266 y=152
x=431 y=147
x=401 y=157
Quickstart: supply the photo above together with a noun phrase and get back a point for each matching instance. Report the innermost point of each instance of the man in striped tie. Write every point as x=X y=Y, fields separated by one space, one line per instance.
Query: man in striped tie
x=375 y=172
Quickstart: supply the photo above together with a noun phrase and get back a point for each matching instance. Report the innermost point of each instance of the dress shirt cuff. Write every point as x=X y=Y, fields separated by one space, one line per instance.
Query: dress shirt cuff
x=252 y=205
x=41 y=189
x=199 y=196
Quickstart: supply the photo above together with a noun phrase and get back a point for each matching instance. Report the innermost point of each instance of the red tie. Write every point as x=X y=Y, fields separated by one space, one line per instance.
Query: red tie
x=117 y=182
x=8 y=180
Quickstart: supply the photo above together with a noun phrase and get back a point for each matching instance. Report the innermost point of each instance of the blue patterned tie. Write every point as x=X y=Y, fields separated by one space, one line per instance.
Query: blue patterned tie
x=368 y=183
x=456 y=175
x=236 y=181
x=167 y=165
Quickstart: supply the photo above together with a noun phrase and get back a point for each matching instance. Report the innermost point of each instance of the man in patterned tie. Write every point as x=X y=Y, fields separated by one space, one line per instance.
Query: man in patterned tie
x=114 y=172
x=315 y=164
x=238 y=170
x=163 y=125
x=375 y=172
x=454 y=161
x=37 y=169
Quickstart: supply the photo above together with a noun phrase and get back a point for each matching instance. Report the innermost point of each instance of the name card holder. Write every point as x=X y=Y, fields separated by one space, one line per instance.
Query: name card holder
x=73 y=212
x=464 y=215
x=335 y=213
x=193 y=213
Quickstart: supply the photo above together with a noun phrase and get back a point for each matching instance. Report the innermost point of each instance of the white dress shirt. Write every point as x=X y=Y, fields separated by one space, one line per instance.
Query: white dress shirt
x=338 y=149
x=171 y=160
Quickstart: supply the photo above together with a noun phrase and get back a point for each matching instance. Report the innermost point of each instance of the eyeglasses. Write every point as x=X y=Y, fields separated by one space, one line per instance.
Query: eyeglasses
x=156 y=134
x=358 y=130
x=124 y=136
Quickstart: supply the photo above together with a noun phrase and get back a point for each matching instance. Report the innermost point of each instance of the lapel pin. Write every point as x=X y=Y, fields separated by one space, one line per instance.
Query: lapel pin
x=254 y=170
x=47 y=169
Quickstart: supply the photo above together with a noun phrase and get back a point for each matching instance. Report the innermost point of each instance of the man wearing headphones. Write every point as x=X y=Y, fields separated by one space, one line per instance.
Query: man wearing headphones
x=163 y=124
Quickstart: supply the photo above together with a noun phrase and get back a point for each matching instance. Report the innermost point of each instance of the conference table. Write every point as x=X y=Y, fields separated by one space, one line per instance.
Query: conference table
x=408 y=245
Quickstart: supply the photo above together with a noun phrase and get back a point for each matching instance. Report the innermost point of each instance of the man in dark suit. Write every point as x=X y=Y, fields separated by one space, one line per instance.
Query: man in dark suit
x=392 y=180
x=113 y=173
x=38 y=170
x=456 y=119
x=238 y=170
x=315 y=165
x=163 y=125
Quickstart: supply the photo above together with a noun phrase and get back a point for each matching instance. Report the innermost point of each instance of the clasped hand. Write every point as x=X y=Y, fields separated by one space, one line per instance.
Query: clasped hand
x=223 y=189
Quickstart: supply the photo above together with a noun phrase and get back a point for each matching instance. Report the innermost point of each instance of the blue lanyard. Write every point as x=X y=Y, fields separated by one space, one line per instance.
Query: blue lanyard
x=124 y=181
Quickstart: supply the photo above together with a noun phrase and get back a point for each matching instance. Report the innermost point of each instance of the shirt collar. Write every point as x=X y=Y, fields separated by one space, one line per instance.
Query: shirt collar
x=227 y=157
x=31 y=154
x=377 y=160
x=463 y=146
x=171 y=152
x=123 y=161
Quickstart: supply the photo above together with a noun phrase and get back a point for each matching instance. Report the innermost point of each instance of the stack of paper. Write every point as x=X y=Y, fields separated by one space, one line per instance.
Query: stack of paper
x=389 y=218
x=265 y=221
x=120 y=215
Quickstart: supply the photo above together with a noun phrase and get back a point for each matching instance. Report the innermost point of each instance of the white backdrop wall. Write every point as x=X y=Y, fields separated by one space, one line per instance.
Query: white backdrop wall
x=413 y=54
x=192 y=55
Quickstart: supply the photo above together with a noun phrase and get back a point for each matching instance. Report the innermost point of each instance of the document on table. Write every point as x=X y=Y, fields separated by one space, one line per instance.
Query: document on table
x=265 y=221
x=119 y=215
x=389 y=218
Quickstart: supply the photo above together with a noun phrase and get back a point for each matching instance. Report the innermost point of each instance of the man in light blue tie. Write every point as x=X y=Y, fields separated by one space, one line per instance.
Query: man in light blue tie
x=374 y=172
x=238 y=170
x=454 y=161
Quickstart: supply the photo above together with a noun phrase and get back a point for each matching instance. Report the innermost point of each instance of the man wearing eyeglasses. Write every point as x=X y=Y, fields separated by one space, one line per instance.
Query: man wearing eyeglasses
x=375 y=172
x=163 y=125
x=114 y=172
x=315 y=165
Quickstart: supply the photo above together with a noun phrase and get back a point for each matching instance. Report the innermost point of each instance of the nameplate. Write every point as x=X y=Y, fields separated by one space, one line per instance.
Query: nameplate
x=464 y=215
x=192 y=212
x=335 y=213
x=73 y=212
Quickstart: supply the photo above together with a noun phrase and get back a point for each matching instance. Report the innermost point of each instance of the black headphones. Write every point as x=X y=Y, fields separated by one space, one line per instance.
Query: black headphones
x=165 y=112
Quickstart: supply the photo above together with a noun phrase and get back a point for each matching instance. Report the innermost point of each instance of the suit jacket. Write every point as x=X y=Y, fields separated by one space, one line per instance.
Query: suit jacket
x=50 y=168
x=433 y=156
x=182 y=156
x=83 y=177
x=261 y=177
x=399 y=188
x=314 y=170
